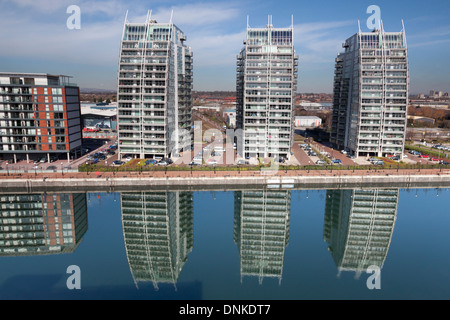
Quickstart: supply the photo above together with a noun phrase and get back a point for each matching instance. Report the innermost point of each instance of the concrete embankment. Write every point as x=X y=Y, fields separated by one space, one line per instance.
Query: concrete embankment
x=225 y=182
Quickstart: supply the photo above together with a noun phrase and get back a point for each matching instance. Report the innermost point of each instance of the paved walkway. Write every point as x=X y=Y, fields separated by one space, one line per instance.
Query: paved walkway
x=206 y=174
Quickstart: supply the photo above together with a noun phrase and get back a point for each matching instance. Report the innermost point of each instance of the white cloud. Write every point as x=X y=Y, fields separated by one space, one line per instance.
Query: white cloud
x=198 y=14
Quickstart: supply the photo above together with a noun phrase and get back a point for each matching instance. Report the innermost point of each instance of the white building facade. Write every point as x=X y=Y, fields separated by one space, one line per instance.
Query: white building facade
x=266 y=86
x=371 y=88
x=154 y=90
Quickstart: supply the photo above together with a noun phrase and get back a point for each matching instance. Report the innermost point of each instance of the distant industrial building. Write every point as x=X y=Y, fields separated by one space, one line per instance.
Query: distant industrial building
x=371 y=88
x=39 y=116
x=307 y=122
x=230 y=117
x=93 y=116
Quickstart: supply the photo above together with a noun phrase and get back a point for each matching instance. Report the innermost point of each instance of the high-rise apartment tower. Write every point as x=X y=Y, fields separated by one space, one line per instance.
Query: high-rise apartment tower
x=371 y=94
x=154 y=90
x=266 y=87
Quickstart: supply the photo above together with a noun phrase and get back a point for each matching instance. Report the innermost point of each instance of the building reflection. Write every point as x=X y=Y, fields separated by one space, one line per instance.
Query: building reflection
x=261 y=231
x=158 y=234
x=358 y=227
x=44 y=223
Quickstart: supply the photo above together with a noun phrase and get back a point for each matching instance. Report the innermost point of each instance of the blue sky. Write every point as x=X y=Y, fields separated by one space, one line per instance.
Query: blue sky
x=35 y=37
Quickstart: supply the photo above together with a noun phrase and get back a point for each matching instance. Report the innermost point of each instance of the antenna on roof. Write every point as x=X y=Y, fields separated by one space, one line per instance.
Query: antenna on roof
x=404 y=34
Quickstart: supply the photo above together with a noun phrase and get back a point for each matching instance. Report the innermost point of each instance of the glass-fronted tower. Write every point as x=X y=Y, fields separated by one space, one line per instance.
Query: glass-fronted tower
x=261 y=231
x=371 y=87
x=266 y=86
x=154 y=90
x=158 y=233
x=358 y=227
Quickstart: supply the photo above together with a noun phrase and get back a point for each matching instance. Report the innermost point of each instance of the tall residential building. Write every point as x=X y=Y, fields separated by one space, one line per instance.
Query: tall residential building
x=154 y=90
x=261 y=231
x=266 y=85
x=159 y=234
x=39 y=117
x=371 y=87
x=44 y=223
x=358 y=227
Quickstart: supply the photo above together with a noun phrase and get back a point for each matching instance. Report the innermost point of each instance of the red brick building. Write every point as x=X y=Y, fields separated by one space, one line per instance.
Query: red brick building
x=39 y=117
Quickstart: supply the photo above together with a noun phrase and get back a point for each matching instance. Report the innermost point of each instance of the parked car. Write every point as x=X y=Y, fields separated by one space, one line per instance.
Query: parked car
x=241 y=162
x=162 y=163
x=150 y=161
x=193 y=163
x=396 y=158
x=379 y=163
x=336 y=161
x=118 y=163
x=320 y=162
x=43 y=159
x=434 y=159
x=212 y=161
x=424 y=156
x=444 y=162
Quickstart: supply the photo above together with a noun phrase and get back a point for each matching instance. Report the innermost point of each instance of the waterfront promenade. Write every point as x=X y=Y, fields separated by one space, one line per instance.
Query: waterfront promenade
x=439 y=177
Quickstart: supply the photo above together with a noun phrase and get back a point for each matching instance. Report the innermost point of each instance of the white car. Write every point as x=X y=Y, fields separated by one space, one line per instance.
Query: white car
x=212 y=161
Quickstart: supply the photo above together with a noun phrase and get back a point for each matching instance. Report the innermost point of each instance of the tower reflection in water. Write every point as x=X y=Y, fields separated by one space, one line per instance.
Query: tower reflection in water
x=42 y=223
x=158 y=234
x=261 y=231
x=358 y=227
